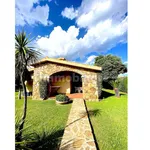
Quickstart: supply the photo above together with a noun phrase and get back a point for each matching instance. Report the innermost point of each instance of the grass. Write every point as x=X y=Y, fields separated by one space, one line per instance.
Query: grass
x=45 y=118
x=110 y=121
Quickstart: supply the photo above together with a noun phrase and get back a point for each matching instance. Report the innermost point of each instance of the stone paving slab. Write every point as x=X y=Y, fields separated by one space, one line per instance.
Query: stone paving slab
x=78 y=134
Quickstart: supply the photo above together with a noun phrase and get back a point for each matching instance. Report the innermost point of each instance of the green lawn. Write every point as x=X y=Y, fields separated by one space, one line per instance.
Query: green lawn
x=47 y=119
x=110 y=121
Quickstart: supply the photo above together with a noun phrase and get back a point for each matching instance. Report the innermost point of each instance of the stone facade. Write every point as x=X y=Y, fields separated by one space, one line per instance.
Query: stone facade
x=90 y=79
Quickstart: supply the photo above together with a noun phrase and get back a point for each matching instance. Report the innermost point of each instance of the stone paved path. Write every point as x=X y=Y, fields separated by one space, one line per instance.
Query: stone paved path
x=78 y=134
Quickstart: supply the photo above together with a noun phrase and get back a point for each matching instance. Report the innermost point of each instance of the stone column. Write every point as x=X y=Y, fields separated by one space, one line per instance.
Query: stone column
x=99 y=84
x=37 y=77
x=90 y=87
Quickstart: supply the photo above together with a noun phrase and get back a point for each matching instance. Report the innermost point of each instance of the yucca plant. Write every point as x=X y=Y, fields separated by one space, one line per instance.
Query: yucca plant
x=115 y=85
x=24 y=56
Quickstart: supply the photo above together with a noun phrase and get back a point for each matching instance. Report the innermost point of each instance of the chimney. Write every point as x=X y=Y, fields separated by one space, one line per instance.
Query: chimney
x=61 y=58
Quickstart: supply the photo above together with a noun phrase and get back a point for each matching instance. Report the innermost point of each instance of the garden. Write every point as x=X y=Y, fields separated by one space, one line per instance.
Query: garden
x=109 y=121
x=45 y=123
x=40 y=124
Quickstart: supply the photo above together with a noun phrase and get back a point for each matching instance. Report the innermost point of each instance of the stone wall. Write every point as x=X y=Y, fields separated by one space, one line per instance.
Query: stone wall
x=90 y=79
x=99 y=83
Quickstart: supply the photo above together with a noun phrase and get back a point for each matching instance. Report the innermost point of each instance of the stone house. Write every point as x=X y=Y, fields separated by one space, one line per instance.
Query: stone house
x=66 y=77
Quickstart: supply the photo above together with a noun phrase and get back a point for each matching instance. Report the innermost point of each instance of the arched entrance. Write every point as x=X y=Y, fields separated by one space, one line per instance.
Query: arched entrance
x=65 y=82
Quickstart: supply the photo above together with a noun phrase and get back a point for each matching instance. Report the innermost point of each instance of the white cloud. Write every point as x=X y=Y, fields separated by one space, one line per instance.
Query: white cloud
x=27 y=14
x=70 y=13
x=92 y=12
x=99 y=38
x=100 y=10
x=90 y=60
x=59 y=42
x=105 y=24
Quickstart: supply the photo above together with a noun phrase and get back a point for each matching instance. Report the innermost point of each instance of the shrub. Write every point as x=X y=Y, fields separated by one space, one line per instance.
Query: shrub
x=114 y=83
x=20 y=141
x=62 y=98
x=43 y=89
x=123 y=85
x=35 y=140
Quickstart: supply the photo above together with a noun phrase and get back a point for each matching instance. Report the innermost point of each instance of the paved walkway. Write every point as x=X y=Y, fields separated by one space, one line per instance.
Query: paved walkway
x=78 y=134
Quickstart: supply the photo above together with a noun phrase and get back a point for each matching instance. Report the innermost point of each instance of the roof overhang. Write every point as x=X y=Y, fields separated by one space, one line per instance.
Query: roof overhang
x=68 y=63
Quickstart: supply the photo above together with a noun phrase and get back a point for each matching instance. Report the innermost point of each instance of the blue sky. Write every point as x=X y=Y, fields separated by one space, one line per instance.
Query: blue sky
x=78 y=30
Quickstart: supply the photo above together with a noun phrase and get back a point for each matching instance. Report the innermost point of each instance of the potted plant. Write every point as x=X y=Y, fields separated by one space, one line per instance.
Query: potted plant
x=62 y=99
x=115 y=85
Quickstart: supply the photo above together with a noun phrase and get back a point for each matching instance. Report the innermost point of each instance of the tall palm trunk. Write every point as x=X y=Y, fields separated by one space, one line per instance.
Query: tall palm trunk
x=19 y=95
x=24 y=110
x=24 y=55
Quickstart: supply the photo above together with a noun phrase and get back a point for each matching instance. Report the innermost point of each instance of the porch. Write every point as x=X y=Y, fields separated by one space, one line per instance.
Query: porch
x=71 y=96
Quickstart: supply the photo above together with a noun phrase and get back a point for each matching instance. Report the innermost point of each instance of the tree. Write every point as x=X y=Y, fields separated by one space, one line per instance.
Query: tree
x=115 y=85
x=24 y=56
x=18 y=86
x=123 y=86
x=111 y=65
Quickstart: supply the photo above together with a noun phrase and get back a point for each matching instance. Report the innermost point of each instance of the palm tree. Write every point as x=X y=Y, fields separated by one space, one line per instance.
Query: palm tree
x=115 y=85
x=24 y=56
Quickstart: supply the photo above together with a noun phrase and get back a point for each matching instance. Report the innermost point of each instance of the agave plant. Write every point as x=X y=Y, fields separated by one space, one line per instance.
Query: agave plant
x=46 y=139
x=21 y=142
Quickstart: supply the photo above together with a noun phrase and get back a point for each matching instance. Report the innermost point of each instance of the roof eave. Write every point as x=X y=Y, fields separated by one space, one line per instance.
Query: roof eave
x=62 y=62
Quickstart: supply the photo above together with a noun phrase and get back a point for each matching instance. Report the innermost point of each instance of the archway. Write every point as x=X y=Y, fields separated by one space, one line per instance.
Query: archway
x=65 y=82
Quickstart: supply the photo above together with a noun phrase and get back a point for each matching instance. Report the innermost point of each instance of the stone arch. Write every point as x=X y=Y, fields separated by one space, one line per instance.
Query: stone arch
x=71 y=81
x=66 y=70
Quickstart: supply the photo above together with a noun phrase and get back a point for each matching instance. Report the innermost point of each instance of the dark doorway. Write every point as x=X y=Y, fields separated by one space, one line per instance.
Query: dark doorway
x=65 y=82
x=76 y=83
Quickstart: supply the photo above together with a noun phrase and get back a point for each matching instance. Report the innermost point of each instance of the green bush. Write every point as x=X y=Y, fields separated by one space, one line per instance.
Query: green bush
x=123 y=85
x=20 y=141
x=43 y=89
x=114 y=83
x=62 y=98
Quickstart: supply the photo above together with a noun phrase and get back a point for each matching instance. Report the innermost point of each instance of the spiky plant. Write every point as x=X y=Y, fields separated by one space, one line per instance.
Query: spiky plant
x=24 y=56
x=115 y=85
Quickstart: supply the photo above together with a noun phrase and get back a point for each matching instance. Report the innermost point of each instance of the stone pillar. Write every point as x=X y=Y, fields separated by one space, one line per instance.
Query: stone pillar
x=99 y=84
x=91 y=90
x=37 y=77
